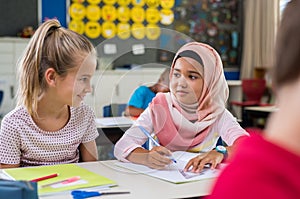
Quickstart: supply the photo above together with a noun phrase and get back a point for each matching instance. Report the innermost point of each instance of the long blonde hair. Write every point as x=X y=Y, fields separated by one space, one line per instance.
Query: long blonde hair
x=51 y=46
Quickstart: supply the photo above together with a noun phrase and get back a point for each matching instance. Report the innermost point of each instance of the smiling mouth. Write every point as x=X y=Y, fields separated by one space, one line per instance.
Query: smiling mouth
x=81 y=97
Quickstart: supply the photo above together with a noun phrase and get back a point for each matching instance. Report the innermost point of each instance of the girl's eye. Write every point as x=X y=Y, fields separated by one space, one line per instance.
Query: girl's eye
x=193 y=77
x=84 y=79
x=176 y=74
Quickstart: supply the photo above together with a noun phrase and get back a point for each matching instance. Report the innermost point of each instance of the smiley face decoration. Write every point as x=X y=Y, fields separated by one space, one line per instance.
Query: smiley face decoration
x=120 y=18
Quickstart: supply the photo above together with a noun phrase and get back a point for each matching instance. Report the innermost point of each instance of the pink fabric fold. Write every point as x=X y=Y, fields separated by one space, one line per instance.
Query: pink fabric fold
x=181 y=135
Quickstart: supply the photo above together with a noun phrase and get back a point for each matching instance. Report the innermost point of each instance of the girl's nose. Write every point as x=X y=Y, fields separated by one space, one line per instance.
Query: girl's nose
x=182 y=82
x=89 y=89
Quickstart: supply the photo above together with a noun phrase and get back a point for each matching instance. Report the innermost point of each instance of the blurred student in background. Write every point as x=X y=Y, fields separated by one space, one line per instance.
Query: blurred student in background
x=143 y=95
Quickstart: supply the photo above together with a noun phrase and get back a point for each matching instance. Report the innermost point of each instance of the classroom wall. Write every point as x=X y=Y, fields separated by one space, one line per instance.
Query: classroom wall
x=16 y=14
x=54 y=9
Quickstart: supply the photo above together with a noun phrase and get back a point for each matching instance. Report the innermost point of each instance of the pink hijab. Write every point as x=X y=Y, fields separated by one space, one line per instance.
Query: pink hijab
x=179 y=126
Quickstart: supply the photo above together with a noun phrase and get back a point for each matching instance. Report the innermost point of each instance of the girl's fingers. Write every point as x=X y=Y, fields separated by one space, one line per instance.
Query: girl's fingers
x=162 y=150
x=214 y=165
x=157 y=158
x=192 y=165
x=197 y=164
x=205 y=163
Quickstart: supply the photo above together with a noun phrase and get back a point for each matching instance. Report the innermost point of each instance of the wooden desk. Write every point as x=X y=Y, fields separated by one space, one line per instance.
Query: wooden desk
x=140 y=185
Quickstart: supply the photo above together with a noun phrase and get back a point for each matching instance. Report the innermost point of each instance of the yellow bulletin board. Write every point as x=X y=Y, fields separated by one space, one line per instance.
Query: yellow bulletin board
x=105 y=19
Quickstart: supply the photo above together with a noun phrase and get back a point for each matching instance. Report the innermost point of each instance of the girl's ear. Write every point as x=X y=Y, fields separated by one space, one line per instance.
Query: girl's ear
x=50 y=76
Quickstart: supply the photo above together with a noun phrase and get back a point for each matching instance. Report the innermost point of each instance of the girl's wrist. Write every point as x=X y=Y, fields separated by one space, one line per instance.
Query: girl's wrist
x=223 y=150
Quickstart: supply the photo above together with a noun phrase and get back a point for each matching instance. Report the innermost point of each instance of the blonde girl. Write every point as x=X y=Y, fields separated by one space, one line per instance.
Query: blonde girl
x=50 y=124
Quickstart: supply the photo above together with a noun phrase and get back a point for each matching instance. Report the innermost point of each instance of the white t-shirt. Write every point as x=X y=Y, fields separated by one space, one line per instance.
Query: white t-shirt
x=23 y=142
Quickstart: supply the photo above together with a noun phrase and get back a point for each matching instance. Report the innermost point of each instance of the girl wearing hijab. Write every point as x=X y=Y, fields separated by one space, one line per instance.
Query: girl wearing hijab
x=191 y=117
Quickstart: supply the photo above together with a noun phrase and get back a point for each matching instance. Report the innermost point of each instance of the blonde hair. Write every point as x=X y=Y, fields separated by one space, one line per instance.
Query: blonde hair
x=51 y=46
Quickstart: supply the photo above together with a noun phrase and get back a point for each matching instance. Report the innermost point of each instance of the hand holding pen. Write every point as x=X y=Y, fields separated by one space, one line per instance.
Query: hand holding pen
x=156 y=155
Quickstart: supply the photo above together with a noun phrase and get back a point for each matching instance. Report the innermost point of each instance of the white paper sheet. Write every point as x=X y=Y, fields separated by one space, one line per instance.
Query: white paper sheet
x=172 y=172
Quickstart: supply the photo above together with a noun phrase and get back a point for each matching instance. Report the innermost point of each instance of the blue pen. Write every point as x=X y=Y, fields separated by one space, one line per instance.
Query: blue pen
x=77 y=194
x=153 y=140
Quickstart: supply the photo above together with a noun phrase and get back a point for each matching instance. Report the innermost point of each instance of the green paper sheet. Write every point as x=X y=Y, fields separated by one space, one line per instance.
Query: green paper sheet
x=65 y=171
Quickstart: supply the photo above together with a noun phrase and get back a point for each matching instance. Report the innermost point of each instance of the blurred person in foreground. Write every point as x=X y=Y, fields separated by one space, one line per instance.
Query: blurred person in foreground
x=267 y=166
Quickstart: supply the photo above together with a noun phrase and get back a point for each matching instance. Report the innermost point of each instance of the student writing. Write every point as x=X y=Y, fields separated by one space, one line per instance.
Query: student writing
x=50 y=124
x=191 y=117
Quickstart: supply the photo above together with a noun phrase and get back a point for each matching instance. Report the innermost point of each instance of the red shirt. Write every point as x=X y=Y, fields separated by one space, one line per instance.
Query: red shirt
x=259 y=170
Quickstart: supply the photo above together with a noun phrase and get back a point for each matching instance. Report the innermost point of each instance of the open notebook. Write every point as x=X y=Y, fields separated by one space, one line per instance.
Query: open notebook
x=64 y=171
x=172 y=172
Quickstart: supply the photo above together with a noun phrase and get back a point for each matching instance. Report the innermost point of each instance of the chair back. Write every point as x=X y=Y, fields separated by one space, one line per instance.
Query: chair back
x=253 y=89
x=114 y=110
x=1 y=96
